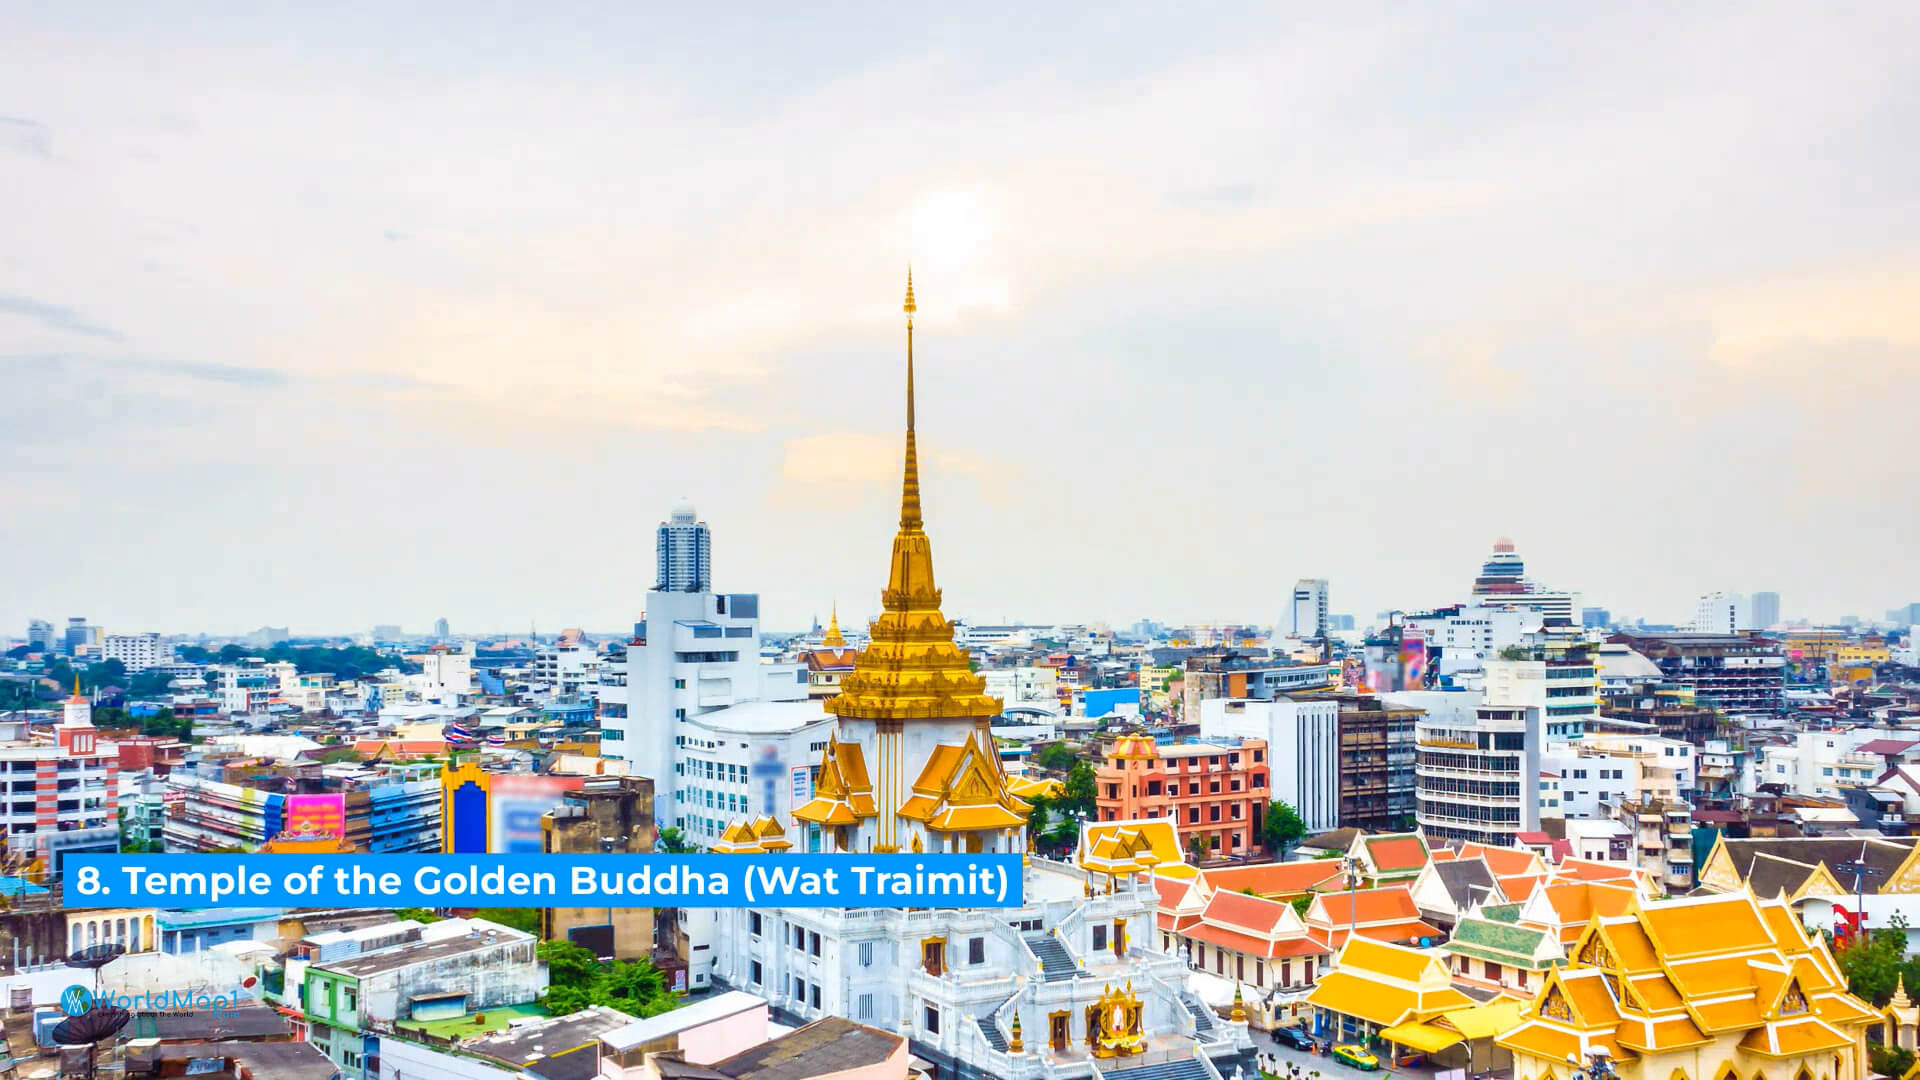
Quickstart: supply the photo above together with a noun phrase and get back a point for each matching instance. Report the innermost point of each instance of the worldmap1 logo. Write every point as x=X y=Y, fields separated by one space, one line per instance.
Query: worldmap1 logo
x=75 y=1000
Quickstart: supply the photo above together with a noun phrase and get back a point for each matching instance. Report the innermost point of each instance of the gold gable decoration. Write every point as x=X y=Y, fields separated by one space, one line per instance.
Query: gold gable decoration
x=911 y=668
x=962 y=789
x=843 y=794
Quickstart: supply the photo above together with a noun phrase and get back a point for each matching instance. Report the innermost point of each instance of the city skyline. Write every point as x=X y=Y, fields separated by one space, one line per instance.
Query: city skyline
x=455 y=339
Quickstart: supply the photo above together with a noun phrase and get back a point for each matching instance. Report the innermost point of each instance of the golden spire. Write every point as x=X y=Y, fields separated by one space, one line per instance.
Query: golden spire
x=910 y=482
x=833 y=638
x=911 y=668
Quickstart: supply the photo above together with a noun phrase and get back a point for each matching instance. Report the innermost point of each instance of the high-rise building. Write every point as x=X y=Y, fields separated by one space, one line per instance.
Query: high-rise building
x=1376 y=764
x=40 y=636
x=683 y=556
x=441 y=629
x=137 y=652
x=1766 y=610
x=1308 y=615
x=79 y=636
x=1503 y=582
x=1478 y=776
x=1722 y=613
x=692 y=653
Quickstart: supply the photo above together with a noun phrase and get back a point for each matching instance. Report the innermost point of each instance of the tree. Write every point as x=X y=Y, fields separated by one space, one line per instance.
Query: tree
x=1055 y=757
x=1282 y=828
x=417 y=914
x=1078 y=793
x=516 y=918
x=577 y=979
x=1873 y=963
x=674 y=842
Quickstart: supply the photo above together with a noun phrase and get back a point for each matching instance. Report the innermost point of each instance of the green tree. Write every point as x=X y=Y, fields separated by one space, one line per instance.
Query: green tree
x=1038 y=817
x=417 y=914
x=517 y=918
x=1055 y=757
x=1873 y=964
x=109 y=672
x=567 y=964
x=672 y=841
x=1078 y=793
x=1282 y=828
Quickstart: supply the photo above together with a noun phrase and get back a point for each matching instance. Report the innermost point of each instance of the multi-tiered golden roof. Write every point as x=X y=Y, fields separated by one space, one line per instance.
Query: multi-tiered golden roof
x=911 y=668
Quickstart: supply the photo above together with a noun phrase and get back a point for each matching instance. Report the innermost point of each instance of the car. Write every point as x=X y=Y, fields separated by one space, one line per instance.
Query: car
x=1356 y=1056
x=1297 y=1037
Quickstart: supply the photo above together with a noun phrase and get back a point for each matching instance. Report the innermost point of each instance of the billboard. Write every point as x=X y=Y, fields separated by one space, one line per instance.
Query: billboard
x=515 y=804
x=316 y=816
x=765 y=773
x=802 y=788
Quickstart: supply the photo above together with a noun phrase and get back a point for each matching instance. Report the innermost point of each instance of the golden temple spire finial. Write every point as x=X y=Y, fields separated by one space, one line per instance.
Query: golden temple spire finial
x=833 y=638
x=910 y=521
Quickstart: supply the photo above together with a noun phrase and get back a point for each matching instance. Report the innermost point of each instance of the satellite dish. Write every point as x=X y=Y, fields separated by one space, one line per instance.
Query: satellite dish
x=98 y=1023
x=97 y=956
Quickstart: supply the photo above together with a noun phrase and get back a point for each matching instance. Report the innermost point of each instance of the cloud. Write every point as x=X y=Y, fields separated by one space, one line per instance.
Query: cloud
x=55 y=317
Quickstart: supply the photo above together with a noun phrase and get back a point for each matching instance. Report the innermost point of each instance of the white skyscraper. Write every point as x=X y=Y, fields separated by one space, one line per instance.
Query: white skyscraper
x=1722 y=613
x=1766 y=610
x=684 y=554
x=1308 y=615
x=694 y=652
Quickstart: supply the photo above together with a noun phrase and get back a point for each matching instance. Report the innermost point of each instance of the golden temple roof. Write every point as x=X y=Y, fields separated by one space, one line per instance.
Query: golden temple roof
x=911 y=668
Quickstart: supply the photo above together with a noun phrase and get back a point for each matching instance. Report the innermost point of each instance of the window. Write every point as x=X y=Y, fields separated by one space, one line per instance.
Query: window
x=976 y=950
x=866 y=1007
x=679 y=684
x=800 y=991
x=813 y=944
x=799 y=938
x=932 y=1020
x=1193 y=815
x=814 y=996
x=756 y=973
x=1213 y=812
x=1099 y=936
x=866 y=954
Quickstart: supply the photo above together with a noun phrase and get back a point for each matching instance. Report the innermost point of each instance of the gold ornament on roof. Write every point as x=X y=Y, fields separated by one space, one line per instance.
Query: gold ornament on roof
x=911 y=668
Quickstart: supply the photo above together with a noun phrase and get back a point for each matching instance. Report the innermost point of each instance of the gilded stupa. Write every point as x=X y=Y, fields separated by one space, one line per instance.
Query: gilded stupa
x=912 y=698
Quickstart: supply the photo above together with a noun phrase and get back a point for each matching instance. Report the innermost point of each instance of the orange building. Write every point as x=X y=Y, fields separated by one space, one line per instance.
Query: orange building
x=1216 y=793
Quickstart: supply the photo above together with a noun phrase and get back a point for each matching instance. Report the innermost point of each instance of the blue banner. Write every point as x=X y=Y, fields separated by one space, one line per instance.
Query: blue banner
x=614 y=881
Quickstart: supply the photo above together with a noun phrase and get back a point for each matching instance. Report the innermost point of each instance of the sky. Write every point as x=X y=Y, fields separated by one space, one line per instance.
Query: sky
x=328 y=318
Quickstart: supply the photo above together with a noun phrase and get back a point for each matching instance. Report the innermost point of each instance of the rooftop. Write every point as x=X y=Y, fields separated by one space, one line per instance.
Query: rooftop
x=832 y=1045
x=763 y=717
x=385 y=960
x=716 y=1008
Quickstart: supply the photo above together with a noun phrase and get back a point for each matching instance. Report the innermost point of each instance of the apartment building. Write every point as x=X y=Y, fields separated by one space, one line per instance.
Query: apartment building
x=63 y=797
x=1215 y=792
x=1376 y=763
x=137 y=652
x=1731 y=673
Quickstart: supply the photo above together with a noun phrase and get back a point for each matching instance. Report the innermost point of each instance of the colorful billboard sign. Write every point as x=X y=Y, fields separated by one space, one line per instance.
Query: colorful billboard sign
x=515 y=805
x=317 y=816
